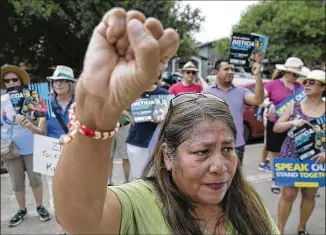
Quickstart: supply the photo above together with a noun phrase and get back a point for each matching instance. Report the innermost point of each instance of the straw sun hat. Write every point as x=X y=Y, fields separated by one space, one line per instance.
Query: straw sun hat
x=293 y=65
x=22 y=74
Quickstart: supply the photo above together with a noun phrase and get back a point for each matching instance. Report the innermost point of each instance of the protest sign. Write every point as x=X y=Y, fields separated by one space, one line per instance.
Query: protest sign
x=245 y=49
x=297 y=96
x=8 y=120
x=150 y=109
x=310 y=140
x=291 y=172
x=46 y=154
x=31 y=100
x=263 y=49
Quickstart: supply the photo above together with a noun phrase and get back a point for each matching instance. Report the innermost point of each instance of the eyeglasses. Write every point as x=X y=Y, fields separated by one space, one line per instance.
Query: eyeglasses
x=192 y=72
x=64 y=81
x=14 y=80
x=309 y=81
x=187 y=97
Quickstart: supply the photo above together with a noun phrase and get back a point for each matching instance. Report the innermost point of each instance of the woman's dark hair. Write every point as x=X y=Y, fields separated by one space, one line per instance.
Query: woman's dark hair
x=277 y=74
x=241 y=205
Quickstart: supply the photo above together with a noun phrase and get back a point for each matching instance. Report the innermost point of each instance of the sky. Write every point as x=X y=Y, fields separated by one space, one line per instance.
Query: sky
x=220 y=17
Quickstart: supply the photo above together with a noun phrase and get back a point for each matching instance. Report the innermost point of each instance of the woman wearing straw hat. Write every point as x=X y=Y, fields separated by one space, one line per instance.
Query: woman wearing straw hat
x=280 y=88
x=189 y=73
x=12 y=76
x=297 y=115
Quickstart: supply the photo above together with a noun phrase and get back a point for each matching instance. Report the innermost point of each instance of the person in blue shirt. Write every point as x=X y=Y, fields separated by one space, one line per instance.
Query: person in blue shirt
x=140 y=135
x=13 y=76
x=62 y=86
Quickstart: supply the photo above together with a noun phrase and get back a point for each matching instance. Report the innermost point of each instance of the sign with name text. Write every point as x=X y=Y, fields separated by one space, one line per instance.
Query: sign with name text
x=150 y=109
x=292 y=172
x=310 y=140
x=47 y=151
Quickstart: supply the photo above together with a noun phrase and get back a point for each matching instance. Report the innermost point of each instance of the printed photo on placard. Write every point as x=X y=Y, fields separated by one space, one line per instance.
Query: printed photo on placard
x=262 y=49
x=31 y=100
x=149 y=109
x=310 y=140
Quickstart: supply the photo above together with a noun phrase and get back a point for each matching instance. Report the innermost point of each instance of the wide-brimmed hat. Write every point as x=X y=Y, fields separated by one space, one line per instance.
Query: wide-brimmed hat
x=293 y=65
x=317 y=75
x=23 y=75
x=62 y=72
x=189 y=66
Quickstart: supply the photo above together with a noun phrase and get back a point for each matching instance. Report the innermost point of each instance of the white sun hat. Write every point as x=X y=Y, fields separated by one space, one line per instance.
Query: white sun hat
x=189 y=66
x=317 y=75
x=293 y=65
x=62 y=72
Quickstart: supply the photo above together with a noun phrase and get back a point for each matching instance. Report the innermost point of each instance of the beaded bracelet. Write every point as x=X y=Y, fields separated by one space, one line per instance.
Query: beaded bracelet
x=75 y=126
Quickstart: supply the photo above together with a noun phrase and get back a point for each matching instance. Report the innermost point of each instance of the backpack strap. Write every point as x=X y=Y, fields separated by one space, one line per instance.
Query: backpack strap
x=59 y=118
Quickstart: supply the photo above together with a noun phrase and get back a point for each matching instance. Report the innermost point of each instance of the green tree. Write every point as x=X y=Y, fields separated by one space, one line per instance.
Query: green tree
x=222 y=47
x=44 y=33
x=295 y=28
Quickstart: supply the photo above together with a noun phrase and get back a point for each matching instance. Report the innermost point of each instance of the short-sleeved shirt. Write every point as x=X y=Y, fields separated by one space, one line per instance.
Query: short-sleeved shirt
x=140 y=134
x=235 y=97
x=141 y=210
x=277 y=92
x=53 y=127
x=179 y=88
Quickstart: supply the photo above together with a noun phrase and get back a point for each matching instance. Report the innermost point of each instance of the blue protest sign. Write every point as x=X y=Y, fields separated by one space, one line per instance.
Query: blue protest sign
x=297 y=96
x=291 y=172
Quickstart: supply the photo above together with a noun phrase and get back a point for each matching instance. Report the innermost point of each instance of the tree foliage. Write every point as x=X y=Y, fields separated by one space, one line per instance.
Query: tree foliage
x=222 y=47
x=45 y=33
x=295 y=28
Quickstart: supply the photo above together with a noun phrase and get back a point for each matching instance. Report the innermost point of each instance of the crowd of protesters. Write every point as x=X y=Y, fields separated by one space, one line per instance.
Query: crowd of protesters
x=198 y=116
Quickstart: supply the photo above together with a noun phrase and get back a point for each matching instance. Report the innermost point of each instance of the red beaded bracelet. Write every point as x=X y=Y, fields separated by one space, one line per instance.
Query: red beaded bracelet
x=75 y=126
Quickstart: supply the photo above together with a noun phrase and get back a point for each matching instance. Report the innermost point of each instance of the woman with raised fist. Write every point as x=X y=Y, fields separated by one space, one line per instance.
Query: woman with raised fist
x=193 y=175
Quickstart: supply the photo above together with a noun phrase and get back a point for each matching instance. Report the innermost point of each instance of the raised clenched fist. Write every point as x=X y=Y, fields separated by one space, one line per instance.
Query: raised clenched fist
x=124 y=57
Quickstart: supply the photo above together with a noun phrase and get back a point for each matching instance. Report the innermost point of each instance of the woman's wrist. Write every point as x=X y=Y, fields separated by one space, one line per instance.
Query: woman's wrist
x=89 y=112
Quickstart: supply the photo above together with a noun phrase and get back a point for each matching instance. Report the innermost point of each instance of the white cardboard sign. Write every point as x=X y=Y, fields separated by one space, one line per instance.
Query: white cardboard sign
x=47 y=151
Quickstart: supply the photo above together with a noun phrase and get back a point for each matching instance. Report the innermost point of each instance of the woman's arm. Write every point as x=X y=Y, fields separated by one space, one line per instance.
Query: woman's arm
x=283 y=124
x=109 y=83
x=39 y=129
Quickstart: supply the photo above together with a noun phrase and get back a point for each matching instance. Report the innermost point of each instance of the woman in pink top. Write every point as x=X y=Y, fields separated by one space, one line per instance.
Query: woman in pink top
x=283 y=85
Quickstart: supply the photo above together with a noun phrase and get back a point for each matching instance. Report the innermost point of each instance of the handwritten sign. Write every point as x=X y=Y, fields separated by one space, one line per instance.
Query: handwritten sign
x=292 y=172
x=46 y=154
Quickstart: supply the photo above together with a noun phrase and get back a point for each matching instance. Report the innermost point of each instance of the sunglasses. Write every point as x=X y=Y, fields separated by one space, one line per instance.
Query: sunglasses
x=192 y=72
x=11 y=80
x=309 y=81
x=296 y=75
x=187 y=97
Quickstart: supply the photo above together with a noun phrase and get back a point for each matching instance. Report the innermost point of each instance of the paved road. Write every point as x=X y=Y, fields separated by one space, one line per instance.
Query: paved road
x=261 y=181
